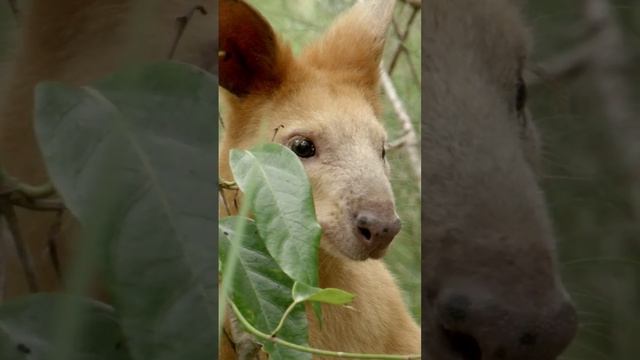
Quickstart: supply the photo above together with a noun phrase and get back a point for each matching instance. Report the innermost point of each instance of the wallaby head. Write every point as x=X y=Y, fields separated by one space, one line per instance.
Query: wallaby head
x=323 y=105
x=490 y=279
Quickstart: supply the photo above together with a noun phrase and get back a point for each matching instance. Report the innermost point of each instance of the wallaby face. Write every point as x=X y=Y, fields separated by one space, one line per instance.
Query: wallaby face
x=490 y=280
x=324 y=107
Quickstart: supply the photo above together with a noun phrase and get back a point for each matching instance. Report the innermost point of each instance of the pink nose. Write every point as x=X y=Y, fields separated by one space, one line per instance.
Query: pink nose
x=376 y=231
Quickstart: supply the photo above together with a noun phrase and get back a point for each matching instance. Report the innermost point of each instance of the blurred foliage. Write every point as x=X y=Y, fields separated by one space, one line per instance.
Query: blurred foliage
x=302 y=21
x=586 y=186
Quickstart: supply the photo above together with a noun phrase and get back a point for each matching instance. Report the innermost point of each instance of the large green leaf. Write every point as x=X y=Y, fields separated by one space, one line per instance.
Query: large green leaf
x=27 y=329
x=261 y=291
x=134 y=159
x=276 y=185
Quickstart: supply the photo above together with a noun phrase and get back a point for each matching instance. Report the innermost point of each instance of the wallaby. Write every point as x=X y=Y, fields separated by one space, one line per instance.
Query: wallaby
x=325 y=104
x=491 y=289
x=77 y=41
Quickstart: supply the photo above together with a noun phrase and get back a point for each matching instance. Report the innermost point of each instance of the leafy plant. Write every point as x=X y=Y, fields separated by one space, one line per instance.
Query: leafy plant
x=131 y=156
x=277 y=254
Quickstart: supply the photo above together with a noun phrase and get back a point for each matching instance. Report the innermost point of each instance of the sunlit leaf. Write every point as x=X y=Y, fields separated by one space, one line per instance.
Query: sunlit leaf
x=275 y=183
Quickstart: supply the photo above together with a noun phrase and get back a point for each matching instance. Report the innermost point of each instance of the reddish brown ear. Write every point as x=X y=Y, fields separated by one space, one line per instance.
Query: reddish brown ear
x=249 y=53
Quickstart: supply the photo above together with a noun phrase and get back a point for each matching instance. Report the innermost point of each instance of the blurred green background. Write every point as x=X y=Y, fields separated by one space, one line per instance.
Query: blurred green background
x=589 y=188
x=300 y=22
x=592 y=193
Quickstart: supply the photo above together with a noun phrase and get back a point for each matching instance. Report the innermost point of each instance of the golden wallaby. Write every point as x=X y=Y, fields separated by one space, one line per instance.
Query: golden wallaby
x=326 y=105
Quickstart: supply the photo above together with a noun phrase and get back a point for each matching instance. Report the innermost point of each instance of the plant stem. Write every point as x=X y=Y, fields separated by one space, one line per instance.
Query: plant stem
x=229 y=266
x=337 y=354
x=284 y=317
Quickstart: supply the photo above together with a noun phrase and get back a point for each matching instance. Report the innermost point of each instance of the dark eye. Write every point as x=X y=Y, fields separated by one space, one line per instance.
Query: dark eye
x=384 y=151
x=521 y=95
x=303 y=147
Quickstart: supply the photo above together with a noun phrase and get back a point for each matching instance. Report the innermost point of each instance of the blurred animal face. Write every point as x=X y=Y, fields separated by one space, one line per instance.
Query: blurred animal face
x=490 y=274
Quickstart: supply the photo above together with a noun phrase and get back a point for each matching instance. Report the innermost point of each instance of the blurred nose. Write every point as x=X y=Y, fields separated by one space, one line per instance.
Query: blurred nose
x=482 y=328
x=376 y=229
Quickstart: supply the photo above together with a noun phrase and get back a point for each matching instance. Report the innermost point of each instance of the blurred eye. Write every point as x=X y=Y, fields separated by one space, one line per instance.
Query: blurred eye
x=521 y=95
x=303 y=147
x=384 y=152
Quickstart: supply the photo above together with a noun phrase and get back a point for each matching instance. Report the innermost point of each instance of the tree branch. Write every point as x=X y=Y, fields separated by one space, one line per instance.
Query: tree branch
x=405 y=122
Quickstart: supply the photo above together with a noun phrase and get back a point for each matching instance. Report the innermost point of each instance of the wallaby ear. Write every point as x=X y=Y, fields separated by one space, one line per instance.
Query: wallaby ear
x=250 y=57
x=355 y=41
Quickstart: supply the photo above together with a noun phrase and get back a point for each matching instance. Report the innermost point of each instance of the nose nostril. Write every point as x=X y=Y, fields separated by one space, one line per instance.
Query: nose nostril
x=463 y=344
x=365 y=232
x=528 y=339
x=457 y=307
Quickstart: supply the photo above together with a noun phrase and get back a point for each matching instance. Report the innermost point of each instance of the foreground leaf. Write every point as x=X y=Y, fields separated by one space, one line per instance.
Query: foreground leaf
x=302 y=292
x=276 y=185
x=27 y=330
x=133 y=158
x=261 y=291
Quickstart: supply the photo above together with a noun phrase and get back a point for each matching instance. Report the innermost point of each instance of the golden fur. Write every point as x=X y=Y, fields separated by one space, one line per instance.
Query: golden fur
x=328 y=94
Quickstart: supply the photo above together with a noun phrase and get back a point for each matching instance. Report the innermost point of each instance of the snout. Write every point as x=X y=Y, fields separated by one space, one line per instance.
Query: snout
x=479 y=327
x=375 y=230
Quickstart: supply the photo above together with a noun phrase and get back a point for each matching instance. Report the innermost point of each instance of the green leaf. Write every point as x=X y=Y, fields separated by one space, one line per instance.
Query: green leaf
x=261 y=291
x=27 y=329
x=133 y=158
x=276 y=185
x=302 y=292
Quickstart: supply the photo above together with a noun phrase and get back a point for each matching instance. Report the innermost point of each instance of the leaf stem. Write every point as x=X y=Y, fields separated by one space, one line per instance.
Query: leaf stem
x=284 y=317
x=337 y=354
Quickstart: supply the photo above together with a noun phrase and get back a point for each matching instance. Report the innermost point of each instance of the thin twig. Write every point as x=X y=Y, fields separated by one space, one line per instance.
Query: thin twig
x=400 y=142
x=25 y=259
x=405 y=122
x=52 y=243
x=181 y=24
x=402 y=37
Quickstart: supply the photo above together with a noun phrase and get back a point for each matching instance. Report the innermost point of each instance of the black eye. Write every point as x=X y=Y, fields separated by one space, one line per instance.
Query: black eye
x=384 y=151
x=303 y=147
x=521 y=95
